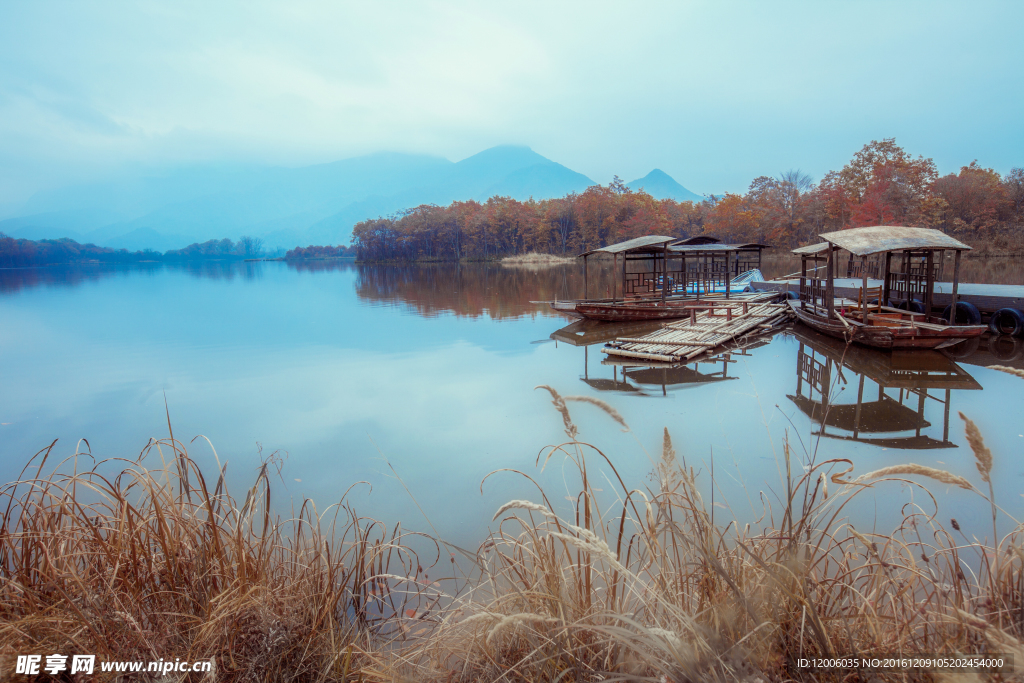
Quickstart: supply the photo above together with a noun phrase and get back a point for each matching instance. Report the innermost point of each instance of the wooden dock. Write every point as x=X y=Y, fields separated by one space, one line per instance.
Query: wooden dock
x=703 y=331
x=987 y=298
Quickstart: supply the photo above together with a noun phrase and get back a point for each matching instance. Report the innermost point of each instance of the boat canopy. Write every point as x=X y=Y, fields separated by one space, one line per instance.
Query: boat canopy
x=715 y=247
x=811 y=249
x=882 y=238
x=699 y=239
x=649 y=243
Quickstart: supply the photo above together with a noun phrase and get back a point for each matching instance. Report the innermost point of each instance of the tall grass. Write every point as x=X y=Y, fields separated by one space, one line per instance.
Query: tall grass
x=157 y=563
x=534 y=260
x=646 y=584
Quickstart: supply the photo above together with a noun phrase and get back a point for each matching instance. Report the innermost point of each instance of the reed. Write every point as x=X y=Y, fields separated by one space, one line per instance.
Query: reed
x=534 y=260
x=652 y=588
x=643 y=584
x=156 y=562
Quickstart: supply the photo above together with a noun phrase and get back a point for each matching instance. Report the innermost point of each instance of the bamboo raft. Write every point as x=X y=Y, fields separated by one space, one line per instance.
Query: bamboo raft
x=704 y=330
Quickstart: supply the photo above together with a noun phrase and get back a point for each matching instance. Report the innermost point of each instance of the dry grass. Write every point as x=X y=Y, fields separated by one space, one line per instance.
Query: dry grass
x=156 y=563
x=648 y=584
x=653 y=588
x=536 y=261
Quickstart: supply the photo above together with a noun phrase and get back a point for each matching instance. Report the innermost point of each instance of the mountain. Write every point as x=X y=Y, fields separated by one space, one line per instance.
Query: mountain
x=661 y=185
x=146 y=238
x=286 y=206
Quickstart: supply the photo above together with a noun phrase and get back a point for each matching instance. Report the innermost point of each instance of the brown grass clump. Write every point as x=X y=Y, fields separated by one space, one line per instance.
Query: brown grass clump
x=639 y=584
x=155 y=563
x=650 y=587
x=534 y=261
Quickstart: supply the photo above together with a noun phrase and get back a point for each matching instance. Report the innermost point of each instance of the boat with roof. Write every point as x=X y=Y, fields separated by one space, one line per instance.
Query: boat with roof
x=869 y=319
x=664 y=278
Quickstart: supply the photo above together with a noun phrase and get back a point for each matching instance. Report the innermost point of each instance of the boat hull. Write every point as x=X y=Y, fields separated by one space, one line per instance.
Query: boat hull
x=881 y=337
x=629 y=312
x=651 y=308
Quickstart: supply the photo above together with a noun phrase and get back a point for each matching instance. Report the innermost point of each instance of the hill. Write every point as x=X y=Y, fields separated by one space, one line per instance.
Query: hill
x=661 y=185
x=286 y=206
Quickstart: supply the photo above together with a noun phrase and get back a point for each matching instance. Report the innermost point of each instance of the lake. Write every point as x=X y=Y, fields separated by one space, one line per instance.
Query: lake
x=420 y=380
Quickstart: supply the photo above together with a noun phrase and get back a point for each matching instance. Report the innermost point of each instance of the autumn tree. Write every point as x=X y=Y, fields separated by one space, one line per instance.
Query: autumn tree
x=560 y=215
x=685 y=219
x=975 y=199
x=596 y=208
x=889 y=187
x=733 y=220
x=1013 y=186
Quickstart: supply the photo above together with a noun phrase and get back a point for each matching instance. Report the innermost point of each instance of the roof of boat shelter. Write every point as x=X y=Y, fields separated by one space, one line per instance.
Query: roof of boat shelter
x=650 y=243
x=881 y=238
x=698 y=239
x=655 y=244
x=811 y=248
x=696 y=248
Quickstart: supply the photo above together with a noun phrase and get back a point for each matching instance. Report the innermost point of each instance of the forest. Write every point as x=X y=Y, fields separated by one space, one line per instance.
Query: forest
x=314 y=252
x=20 y=252
x=881 y=185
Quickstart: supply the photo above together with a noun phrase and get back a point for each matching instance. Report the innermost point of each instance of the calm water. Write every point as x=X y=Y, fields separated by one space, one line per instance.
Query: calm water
x=338 y=366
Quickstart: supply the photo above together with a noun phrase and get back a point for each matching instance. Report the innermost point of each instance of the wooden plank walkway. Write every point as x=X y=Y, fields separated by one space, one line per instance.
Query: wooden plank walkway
x=685 y=339
x=988 y=298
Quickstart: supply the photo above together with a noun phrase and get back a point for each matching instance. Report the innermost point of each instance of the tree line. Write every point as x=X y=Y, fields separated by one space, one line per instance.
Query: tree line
x=314 y=252
x=21 y=252
x=881 y=185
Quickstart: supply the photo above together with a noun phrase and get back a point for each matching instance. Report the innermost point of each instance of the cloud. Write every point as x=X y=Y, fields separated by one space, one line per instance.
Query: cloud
x=713 y=94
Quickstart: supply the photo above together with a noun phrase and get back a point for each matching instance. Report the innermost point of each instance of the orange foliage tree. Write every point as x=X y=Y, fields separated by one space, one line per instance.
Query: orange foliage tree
x=975 y=199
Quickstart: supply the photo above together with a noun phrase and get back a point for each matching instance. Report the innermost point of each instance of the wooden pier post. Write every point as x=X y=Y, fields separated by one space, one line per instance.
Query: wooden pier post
x=885 y=278
x=830 y=282
x=956 y=284
x=727 y=278
x=906 y=276
x=586 y=290
x=803 y=282
x=929 y=283
x=664 y=271
x=864 y=284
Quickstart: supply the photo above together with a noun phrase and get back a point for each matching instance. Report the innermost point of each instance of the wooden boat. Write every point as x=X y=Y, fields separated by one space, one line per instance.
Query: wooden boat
x=867 y=321
x=891 y=328
x=659 y=309
x=694 y=268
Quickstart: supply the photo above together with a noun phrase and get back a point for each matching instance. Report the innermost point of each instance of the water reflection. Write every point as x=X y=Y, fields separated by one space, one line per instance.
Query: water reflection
x=648 y=378
x=13 y=280
x=892 y=392
x=468 y=290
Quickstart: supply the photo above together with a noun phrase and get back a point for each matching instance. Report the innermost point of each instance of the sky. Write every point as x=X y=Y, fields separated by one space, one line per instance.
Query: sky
x=713 y=93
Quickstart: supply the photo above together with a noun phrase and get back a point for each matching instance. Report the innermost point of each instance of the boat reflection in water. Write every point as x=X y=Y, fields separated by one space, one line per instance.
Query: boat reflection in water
x=648 y=378
x=891 y=413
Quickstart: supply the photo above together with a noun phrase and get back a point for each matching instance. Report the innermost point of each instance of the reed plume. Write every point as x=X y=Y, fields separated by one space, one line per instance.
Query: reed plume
x=612 y=413
x=1011 y=371
x=983 y=461
x=982 y=455
x=912 y=468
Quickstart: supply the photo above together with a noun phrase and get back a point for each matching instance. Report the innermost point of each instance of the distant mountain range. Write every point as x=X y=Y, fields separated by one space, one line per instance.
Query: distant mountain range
x=290 y=207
